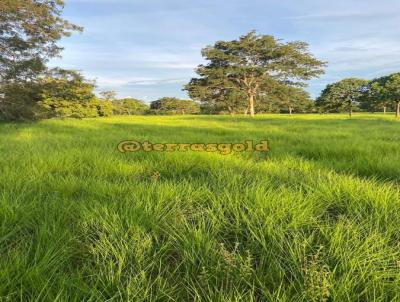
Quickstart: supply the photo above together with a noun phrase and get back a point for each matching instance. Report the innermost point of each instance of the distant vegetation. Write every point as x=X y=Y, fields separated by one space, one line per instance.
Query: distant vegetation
x=381 y=94
x=254 y=69
x=174 y=106
x=253 y=74
x=129 y=106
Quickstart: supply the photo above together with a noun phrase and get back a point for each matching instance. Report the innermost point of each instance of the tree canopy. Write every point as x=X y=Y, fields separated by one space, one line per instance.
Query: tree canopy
x=253 y=64
x=386 y=91
x=29 y=31
x=66 y=93
x=215 y=95
x=129 y=106
x=168 y=105
x=343 y=95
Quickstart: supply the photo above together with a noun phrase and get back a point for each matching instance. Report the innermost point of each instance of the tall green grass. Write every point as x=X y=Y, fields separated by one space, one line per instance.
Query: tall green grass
x=315 y=219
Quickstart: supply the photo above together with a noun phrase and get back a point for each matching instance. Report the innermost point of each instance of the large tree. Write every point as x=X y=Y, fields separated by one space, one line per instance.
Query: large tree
x=253 y=63
x=29 y=31
x=343 y=95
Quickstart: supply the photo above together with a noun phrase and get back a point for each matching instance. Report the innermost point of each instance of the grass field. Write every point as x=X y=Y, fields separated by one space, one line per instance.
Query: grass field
x=315 y=219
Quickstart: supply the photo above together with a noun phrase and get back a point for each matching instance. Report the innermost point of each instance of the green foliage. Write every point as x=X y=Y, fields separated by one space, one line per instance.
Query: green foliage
x=341 y=96
x=169 y=105
x=63 y=108
x=389 y=87
x=287 y=99
x=252 y=65
x=129 y=106
x=103 y=108
x=381 y=94
x=59 y=93
x=217 y=95
x=316 y=219
x=385 y=92
x=66 y=93
x=18 y=100
x=29 y=30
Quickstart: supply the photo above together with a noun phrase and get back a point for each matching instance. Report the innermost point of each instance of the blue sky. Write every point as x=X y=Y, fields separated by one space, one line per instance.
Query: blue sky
x=149 y=48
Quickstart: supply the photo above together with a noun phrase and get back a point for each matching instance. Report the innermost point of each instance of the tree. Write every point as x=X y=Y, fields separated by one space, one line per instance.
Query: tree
x=108 y=95
x=66 y=93
x=169 y=105
x=373 y=100
x=293 y=99
x=342 y=96
x=129 y=106
x=29 y=30
x=255 y=62
x=386 y=91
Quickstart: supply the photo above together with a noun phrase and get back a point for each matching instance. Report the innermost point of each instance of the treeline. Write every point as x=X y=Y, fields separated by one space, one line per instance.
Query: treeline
x=253 y=74
x=256 y=73
x=352 y=94
x=60 y=93
x=260 y=74
x=63 y=93
x=348 y=95
x=29 y=32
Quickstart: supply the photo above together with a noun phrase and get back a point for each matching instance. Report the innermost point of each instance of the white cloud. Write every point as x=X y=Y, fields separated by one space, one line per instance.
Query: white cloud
x=151 y=48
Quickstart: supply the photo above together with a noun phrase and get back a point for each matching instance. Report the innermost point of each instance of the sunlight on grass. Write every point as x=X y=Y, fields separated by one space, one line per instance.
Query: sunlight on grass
x=314 y=219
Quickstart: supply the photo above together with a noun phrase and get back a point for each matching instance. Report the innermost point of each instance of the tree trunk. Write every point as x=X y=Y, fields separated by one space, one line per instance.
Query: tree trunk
x=246 y=111
x=251 y=105
x=398 y=110
x=290 y=110
x=231 y=111
x=384 y=109
x=350 y=108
